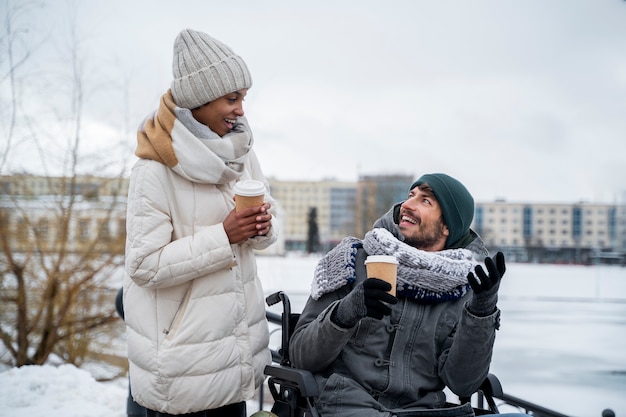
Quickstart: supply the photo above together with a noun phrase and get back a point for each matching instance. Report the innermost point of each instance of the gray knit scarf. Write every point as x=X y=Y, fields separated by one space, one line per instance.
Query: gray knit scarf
x=427 y=277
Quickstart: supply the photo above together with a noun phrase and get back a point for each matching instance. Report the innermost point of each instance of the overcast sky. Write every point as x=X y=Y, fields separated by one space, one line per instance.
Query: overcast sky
x=523 y=100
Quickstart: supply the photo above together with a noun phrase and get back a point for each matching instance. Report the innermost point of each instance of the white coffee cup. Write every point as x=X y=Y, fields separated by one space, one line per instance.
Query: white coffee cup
x=249 y=193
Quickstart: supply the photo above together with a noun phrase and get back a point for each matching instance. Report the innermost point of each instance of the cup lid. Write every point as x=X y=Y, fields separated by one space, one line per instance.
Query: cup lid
x=390 y=259
x=249 y=188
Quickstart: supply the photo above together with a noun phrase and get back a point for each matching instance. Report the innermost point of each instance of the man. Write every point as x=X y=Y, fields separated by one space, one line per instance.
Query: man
x=377 y=355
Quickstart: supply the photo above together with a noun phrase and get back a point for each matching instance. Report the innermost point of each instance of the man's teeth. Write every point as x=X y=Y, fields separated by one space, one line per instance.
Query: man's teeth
x=232 y=121
x=409 y=219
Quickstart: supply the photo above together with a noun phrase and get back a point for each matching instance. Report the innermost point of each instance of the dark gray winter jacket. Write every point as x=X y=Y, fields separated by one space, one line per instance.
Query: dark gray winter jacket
x=401 y=363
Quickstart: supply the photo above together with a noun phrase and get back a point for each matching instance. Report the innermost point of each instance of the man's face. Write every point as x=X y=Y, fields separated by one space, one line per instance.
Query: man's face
x=421 y=222
x=220 y=114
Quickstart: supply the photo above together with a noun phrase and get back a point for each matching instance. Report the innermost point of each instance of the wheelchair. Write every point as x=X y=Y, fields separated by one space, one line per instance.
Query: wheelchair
x=294 y=390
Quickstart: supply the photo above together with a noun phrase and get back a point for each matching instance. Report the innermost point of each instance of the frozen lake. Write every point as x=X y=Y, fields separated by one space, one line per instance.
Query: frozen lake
x=562 y=343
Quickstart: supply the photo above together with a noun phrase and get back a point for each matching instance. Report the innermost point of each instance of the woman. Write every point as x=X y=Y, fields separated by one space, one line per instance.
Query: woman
x=194 y=307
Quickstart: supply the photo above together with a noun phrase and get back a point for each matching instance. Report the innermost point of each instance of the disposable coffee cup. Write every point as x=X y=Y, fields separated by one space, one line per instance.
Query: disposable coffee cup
x=249 y=193
x=383 y=267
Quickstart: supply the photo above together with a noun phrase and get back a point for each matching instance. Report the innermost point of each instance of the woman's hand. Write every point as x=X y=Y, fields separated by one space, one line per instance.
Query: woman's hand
x=247 y=223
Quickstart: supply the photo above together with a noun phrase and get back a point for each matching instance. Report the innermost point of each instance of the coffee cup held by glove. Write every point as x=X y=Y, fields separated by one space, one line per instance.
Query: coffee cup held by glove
x=249 y=193
x=384 y=267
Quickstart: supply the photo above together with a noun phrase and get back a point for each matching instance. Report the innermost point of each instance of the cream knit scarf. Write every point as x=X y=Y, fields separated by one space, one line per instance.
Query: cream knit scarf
x=427 y=277
x=215 y=161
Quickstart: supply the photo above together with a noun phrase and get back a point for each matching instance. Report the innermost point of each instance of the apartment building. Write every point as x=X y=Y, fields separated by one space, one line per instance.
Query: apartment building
x=86 y=213
x=334 y=203
x=582 y=232
x=376 y=194
x=526 y=232
x=47 y=214
x=87 y=186
x=342 y=208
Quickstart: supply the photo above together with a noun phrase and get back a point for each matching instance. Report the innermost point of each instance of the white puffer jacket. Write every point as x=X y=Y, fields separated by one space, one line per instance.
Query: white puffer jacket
x=194 y=306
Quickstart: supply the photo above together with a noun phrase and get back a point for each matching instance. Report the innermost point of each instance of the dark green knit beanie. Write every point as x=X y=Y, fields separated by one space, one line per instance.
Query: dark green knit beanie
x=457 y=206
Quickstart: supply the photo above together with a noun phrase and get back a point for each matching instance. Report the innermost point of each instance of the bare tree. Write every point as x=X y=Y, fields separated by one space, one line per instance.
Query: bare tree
x=13 y=59
x=61 y=235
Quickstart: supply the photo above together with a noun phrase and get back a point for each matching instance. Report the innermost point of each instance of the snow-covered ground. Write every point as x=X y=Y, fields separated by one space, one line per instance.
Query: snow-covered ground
x=562 y=345
x=63 y=391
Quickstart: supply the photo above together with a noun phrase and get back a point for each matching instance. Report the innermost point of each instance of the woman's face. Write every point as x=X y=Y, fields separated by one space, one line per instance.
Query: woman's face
x=220 y=114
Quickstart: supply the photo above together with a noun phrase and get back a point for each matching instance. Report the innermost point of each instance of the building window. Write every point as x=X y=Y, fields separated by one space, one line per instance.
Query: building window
x=121 y=228
x=83 y=230
x=21 y=230
x=577 y=222
x=480 y=218
x=528 y=222
x=43 y=229
x=104 y=233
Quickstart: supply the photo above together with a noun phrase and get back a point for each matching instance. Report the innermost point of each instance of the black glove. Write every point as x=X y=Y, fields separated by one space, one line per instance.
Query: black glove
x=367 y=298
x=483 y=303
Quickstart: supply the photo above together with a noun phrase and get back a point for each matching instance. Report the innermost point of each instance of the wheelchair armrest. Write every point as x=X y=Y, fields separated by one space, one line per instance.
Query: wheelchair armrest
x=492 y=387
x=300 y=378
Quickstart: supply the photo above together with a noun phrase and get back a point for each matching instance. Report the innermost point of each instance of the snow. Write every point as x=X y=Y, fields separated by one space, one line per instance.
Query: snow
x=59 y=391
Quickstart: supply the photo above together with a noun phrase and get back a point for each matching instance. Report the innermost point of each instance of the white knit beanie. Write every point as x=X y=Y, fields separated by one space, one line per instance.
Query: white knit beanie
x=205 y=69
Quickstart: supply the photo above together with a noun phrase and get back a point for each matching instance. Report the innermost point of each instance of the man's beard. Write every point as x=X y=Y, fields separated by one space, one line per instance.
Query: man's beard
x=427 y=237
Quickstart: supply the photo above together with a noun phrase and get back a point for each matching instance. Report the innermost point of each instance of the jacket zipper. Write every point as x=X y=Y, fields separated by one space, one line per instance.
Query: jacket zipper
x=182 y=303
